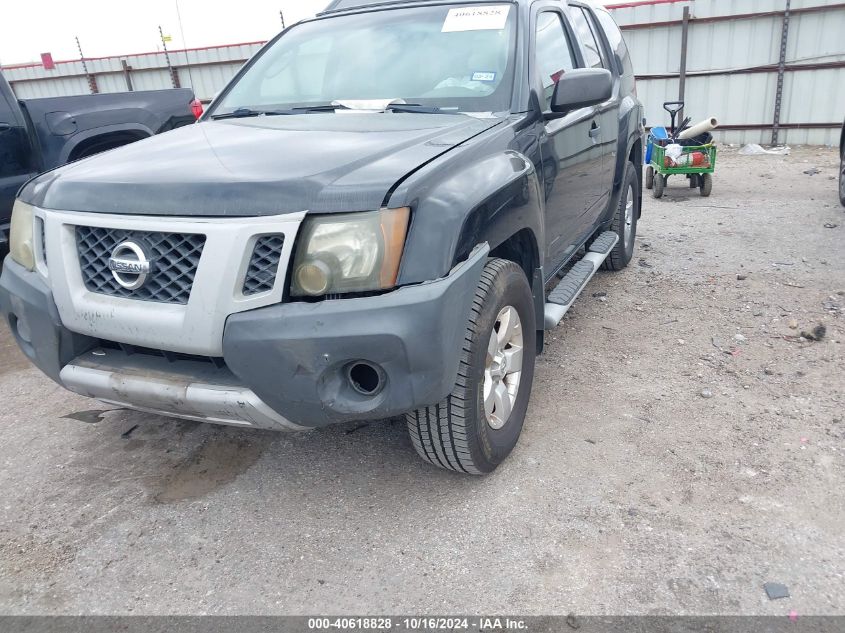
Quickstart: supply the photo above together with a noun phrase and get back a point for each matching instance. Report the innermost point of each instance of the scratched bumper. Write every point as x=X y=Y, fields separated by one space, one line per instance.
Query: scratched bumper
x=189 y=389
x=284 y=366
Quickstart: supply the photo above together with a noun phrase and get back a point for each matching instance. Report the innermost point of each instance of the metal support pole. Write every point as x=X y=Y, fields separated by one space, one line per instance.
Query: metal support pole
x=682 y=81
x=174 y=78
x=784 y=37
x=127 y=76
x=92 y=81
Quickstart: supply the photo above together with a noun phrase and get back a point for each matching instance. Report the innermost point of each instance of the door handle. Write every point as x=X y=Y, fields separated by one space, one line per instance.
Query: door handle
x=594 y=130
x=5 y=127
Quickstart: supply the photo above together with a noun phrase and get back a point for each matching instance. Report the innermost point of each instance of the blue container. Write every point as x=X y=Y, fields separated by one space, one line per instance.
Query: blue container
x=657 y=134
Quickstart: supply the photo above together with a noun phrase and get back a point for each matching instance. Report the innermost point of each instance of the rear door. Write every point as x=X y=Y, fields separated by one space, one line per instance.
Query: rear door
x=15 y=153
x=607 y=113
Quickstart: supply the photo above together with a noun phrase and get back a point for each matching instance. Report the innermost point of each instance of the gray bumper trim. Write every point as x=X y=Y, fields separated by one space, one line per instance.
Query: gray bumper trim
x=184 y=389
x=294 y=356
x=25 y=300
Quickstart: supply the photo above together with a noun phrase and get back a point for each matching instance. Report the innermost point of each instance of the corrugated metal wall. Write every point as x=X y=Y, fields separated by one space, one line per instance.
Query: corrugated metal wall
x=205 y=69
x=748 y=50
x=739 y=37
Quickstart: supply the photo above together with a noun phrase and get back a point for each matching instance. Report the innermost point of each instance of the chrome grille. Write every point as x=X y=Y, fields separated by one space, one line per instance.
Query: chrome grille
x=264 y=264
x=175 y=259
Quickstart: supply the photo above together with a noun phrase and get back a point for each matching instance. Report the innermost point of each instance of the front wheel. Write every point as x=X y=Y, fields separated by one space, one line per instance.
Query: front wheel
x=706 y=185
x=477 y=426
x=659 y=185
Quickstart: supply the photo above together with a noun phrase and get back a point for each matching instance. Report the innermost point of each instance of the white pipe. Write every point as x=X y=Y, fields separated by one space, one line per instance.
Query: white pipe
x=700 y=128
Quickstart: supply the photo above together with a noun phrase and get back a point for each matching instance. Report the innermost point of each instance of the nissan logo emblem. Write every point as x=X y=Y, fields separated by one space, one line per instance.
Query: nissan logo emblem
x=129 y=265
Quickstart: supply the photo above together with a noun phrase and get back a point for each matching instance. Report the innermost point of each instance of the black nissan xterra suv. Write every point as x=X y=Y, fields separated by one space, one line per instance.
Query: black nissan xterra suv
x=370 y=220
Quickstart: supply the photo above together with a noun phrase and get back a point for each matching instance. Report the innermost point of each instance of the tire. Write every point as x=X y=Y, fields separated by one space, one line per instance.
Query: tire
x=625 y=221
x=457 y=433
x=659 y=186
x=706 y=185
x=842 y=179
x=649 y=177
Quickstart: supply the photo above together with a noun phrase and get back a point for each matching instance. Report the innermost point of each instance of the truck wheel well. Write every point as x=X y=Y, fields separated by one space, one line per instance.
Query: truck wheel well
x=103 y=142
x=636 y=154
x=520 y=248
x=636 y=157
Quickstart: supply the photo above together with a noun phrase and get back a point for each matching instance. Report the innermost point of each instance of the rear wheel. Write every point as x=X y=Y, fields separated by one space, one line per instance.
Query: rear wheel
x=625 y=221
x=842 y=179
x=649 y=177
x=706 y=184
x=477 y=426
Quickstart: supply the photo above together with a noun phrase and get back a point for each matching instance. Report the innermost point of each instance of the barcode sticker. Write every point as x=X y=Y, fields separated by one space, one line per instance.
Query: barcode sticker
x=484 y=18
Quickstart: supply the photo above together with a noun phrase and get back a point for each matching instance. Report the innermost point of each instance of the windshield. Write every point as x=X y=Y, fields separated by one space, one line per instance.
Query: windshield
x=452 y=57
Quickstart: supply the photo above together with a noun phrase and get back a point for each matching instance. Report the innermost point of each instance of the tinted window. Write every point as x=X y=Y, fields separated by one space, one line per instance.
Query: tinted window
x=590 y=43
x=553 y=52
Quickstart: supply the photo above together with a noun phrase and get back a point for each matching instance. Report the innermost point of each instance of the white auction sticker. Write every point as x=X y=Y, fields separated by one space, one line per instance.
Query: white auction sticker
x=484 y=18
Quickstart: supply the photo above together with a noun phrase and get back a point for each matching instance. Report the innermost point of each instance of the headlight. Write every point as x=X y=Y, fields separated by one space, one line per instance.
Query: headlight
x=352 y=252
x=20 y=235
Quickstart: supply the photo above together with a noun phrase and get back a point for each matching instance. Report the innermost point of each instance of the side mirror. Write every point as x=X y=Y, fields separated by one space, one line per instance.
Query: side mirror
x=580 y=88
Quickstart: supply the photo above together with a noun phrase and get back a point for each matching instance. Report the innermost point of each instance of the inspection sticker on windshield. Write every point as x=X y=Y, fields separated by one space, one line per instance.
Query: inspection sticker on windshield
x=484 y=18
x=483 y=75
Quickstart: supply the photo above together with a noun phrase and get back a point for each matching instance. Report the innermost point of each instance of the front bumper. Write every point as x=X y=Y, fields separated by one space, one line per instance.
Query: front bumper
x=286 y=365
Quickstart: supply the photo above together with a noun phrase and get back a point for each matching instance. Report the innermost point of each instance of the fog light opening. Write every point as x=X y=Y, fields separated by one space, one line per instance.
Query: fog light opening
x=364 y=378
x=21 y=328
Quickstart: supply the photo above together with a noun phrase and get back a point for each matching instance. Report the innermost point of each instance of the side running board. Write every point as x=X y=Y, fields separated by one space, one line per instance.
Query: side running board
x=567 y=291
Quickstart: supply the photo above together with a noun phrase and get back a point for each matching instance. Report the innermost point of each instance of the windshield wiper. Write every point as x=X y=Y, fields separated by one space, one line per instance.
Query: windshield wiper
x=237 y=114
x=324 y=107
x=240 y=113
x=417 y=107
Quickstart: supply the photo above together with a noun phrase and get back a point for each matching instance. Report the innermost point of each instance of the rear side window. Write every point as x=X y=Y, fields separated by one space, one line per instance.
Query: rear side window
x=617 y=42
x=593 y=53
x=553 y=52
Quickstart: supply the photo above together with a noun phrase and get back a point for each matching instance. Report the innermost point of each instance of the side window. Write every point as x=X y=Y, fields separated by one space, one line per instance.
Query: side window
x=593 y=52
x=553 y=54
x=617 y=42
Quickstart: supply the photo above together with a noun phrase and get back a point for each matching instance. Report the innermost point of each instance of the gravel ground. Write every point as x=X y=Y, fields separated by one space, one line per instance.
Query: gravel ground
x=683 y=446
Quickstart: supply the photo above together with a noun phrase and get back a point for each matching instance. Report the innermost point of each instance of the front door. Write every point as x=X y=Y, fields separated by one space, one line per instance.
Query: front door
x=571 y=153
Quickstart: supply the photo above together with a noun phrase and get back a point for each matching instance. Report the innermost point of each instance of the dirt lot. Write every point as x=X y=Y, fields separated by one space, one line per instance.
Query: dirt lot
x=683 y=446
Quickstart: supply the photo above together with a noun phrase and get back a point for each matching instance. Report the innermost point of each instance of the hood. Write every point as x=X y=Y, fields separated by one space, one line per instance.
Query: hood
x=257 y=166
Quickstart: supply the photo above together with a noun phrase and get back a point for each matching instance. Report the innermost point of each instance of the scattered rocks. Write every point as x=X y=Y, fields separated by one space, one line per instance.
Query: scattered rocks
x=739 y=338
x=817 y=334
x=741 y=277
x=775 y=590
x=830 y=225
x=812 y=171
x=793 y=324
x=706 y=393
